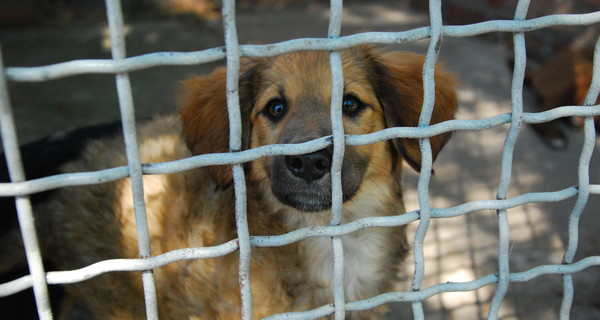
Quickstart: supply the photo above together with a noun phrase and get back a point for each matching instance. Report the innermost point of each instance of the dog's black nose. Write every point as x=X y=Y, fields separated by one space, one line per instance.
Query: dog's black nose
x=310 y=167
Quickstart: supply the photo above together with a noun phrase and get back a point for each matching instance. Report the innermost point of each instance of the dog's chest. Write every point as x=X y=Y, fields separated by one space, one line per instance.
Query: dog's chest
x=369 y=254
x=364 y=253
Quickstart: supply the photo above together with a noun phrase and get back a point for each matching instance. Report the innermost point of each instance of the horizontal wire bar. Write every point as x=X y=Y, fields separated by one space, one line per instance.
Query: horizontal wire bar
x=533 y=197
x=320 y=312
x=101 y=66
x=475 y=284
x=403 y=219
x=76 y=67
x=113 y=265
x=108 y=66
x=285 y=239
x=112 y=174
x=561 y=112
x=480 y=28
x=428 y=292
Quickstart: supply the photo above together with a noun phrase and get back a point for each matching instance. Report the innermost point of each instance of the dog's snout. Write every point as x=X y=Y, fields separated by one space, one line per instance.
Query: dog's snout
x=309 y=167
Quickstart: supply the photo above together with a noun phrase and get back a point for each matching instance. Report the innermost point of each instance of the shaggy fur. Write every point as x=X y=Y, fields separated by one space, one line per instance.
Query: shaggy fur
x=284 y=99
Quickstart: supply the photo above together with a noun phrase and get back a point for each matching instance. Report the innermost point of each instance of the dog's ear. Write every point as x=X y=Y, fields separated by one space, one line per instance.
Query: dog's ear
x=203 y=110
x=400 y=91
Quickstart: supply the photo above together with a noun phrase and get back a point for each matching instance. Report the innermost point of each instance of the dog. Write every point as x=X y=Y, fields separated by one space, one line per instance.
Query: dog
x=563 y=79
x=283 y=100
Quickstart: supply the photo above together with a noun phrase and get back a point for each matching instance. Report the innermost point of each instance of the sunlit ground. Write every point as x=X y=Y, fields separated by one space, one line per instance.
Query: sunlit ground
x=464 y=248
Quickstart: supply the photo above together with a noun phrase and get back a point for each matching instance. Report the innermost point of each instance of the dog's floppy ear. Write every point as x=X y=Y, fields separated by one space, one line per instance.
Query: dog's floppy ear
x=203 y=110
x=400 y=92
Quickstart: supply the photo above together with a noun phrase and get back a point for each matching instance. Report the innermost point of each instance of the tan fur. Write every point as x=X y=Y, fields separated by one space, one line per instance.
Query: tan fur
x=83 y=225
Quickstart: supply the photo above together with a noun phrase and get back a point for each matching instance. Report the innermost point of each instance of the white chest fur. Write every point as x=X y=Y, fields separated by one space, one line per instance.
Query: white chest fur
x=362 y=261
x=364 y=252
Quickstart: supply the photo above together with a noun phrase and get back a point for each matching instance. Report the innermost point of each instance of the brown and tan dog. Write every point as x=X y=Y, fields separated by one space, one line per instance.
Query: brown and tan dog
x=284 y=99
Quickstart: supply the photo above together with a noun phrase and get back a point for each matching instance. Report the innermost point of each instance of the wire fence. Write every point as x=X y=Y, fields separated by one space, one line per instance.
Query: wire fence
x=120 y=65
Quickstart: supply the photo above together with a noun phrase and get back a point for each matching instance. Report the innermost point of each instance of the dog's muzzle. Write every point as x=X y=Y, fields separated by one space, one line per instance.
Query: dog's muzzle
x=310 y=167
x=304 y=181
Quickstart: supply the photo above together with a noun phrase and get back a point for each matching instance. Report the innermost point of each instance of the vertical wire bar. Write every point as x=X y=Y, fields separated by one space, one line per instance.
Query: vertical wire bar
x=235 y=144
x=507 y=158
x=435 y=12
x=23 y=203
x=337 y=91
x=115 y=22
x=336 y=181
x=587 y=150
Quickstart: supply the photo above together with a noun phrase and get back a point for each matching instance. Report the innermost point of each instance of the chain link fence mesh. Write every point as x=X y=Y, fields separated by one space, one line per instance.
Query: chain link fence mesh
x=121 y=65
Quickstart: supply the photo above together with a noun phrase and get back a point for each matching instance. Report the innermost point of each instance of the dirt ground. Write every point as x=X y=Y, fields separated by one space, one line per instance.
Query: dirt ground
x=457 y=249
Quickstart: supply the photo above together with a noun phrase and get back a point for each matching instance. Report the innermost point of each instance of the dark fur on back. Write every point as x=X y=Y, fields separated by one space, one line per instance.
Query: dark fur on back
x=41 y=158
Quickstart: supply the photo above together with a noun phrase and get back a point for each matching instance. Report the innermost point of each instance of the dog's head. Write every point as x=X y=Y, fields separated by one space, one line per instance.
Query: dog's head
x=286 y=99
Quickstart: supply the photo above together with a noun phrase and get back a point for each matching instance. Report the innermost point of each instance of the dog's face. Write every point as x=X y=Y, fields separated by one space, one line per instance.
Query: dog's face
x=292 y=105
x=286 y=99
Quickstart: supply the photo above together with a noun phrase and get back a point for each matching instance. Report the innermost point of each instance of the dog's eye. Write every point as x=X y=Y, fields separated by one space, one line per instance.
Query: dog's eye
x=351 y=106
x=275 y=109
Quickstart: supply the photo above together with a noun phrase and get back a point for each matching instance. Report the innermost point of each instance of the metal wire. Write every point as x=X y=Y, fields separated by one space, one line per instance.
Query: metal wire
x=23 y=204
x=84 y=66
x=107 y=175
x=337 y=128
x=235 y=144
x=120 y=65
x=507 y=160
x=115 y=23
x=435 y=16
x=583 y=176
